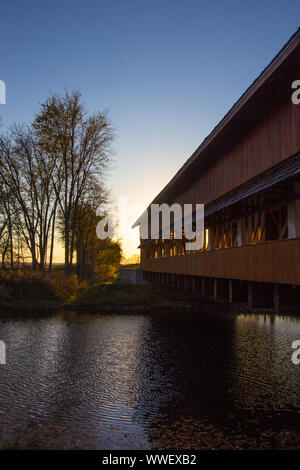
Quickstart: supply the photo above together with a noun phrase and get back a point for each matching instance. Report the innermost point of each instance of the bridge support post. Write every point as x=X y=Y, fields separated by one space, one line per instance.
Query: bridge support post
x=276 y=298
x=230 y=291
x=250 y=295
x=215 y=289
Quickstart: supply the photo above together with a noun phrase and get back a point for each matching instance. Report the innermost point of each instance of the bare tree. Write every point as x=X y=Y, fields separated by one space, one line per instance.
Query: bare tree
x=78 y=145
x=26 y=173
x=49 y=171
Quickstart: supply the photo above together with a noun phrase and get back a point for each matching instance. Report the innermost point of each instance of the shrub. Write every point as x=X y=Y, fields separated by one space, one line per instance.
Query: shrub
x=29 y=285
x=67 y=288
x=26 y=285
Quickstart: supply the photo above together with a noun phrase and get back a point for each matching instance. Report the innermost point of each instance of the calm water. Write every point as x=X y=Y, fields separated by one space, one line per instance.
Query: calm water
x=105 y=381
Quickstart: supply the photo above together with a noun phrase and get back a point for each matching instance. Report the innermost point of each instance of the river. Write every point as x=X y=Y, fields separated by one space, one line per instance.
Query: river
x=85 y=380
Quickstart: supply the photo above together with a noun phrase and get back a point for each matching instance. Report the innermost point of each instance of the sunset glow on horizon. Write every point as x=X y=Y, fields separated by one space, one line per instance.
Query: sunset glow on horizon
x=149 y=65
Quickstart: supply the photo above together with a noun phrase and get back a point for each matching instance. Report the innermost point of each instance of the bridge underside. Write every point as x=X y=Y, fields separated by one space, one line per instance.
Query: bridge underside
x=275 y=261
x=264 y=275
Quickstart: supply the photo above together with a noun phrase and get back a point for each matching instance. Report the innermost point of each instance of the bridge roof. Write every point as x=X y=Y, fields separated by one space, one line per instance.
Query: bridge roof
x=197 y=160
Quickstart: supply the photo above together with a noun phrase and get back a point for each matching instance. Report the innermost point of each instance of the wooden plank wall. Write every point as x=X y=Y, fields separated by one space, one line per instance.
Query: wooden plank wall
x=274 y=261
x=259 y=147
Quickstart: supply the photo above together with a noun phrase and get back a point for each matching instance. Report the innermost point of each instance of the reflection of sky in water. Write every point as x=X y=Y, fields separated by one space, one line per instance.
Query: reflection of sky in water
x=105 y=377
x=70 y=368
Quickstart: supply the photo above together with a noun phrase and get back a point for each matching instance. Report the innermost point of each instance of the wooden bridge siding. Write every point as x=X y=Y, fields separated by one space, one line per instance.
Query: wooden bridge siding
x=273 y=261
x=256 y=150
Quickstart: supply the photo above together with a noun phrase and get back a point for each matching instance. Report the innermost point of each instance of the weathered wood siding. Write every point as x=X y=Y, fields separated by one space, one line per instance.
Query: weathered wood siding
x=274 y=261
x=258 y=147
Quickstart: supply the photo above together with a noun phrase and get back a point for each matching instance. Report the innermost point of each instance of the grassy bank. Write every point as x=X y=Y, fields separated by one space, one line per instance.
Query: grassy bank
x=123 y=295
x=27 y=290
x=29 y=286
x=51 y=291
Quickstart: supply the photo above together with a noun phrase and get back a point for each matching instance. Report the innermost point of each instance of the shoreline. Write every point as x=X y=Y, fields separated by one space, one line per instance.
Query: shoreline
x=57 y=305
x=175 y=306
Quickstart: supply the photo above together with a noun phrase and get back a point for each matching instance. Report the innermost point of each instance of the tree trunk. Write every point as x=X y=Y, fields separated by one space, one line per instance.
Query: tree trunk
x=52 y=241
x=11 y=242
x=67 y=245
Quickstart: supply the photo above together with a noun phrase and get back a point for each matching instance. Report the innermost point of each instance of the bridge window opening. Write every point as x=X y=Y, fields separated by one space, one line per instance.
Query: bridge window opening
x=276 y=227
x=206 y=242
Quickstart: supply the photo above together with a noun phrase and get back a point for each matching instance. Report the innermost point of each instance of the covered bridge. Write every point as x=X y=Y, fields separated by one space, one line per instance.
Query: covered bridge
x=247 y=173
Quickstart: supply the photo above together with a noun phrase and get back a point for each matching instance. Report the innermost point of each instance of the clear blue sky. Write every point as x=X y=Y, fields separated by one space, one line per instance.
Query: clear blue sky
x=167 y=71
